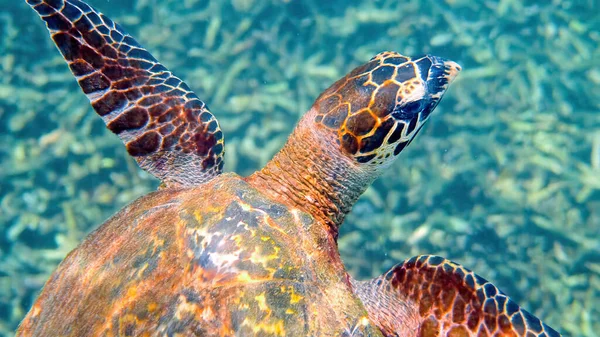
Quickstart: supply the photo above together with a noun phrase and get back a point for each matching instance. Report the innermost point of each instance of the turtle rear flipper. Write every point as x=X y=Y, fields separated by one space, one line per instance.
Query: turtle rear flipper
x=429 y=296
x=166 y=128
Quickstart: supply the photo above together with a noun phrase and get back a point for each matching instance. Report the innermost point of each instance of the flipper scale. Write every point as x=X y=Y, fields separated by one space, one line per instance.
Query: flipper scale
x=164 y=125
x=434 y=297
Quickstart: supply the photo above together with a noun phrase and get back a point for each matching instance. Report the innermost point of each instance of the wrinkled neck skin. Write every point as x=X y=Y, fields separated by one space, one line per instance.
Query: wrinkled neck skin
x=312 y=174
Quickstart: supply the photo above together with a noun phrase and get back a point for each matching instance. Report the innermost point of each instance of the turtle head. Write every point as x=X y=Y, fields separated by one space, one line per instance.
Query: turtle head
x=355 y=128
x=376 y=110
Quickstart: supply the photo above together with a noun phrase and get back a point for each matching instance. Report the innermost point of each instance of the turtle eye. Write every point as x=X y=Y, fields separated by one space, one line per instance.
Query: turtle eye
x=377 y=109
x=409 y=110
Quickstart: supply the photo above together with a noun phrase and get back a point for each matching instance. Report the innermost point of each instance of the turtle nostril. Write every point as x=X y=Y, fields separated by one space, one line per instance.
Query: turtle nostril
x=452 y=69
x=441 y=67
x=441 y=74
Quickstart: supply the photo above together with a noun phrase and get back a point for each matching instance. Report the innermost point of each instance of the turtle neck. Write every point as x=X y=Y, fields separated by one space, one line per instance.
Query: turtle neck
x=312 y=174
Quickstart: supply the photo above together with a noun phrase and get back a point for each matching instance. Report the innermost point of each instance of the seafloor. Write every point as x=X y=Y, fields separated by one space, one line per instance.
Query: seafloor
x=505 y=178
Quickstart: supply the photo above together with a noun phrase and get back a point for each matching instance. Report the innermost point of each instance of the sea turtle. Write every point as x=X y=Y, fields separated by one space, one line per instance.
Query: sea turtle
x=216 y=254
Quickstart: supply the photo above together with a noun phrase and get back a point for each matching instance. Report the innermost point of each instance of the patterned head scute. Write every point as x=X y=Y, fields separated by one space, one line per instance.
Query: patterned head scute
x=379 y=107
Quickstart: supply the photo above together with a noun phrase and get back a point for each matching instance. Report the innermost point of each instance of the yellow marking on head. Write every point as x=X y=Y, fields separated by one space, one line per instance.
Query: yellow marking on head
x=290 y=311
x=265 y=238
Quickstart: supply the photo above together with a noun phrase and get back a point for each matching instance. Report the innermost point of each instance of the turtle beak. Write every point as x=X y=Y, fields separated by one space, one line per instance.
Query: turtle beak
x=441 y=73
x=453 y=69
x=437 y=74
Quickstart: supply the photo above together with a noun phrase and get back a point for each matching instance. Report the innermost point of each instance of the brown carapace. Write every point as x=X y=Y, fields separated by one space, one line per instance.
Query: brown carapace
x=213 y=254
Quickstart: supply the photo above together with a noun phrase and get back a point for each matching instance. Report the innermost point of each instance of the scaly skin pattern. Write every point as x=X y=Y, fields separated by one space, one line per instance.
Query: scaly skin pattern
x=378 y=108
x=429 y=296
x=217 y=260
x=163 y=124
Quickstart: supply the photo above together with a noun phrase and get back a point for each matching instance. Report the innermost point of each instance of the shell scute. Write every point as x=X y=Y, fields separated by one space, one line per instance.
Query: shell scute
x=217 y=260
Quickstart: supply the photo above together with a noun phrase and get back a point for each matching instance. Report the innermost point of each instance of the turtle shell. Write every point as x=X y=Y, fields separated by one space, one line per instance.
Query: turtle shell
x=219 y=259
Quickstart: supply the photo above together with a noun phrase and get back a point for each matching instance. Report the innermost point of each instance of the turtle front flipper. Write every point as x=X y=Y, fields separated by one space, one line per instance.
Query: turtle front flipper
x=429 y=296
x=166 y=128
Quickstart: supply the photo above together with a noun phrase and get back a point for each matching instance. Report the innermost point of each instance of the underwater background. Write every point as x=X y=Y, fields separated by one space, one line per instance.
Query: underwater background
x=504 y=179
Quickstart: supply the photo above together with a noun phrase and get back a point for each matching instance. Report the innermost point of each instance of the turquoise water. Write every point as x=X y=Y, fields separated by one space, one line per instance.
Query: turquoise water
x=504 y=179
